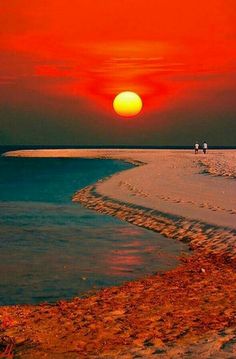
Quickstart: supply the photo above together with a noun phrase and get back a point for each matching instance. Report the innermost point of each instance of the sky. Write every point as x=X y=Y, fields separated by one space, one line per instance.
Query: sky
x=63 y=62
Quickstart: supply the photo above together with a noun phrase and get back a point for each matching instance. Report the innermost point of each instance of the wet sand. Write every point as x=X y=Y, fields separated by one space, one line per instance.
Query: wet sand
x=188 y=312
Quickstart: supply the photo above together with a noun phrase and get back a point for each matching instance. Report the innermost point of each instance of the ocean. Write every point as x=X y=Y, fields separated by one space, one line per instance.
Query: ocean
x=51 y=248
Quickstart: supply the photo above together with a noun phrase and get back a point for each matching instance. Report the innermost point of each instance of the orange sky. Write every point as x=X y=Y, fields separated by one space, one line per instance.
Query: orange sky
x=68 y=59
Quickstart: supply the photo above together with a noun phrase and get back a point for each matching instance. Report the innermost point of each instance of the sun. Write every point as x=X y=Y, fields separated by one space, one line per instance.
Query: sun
x=127 y=104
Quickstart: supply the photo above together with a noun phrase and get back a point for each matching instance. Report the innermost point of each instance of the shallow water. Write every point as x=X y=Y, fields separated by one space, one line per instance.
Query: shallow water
x=51 y=248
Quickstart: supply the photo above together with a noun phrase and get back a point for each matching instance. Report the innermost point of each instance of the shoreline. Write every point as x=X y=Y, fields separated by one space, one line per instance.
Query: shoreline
x=194 y=233
x=211 y=266
x=134 y=188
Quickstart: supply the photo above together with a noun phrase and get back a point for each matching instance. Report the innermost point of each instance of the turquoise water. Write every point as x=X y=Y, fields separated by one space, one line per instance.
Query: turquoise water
x=51 y=248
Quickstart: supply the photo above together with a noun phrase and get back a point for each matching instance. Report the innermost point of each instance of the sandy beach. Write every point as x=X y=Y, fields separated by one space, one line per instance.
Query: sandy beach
x=189 y=312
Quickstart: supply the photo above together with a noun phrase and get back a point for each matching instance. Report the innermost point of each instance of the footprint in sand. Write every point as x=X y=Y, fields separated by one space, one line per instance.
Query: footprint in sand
x=177 y=201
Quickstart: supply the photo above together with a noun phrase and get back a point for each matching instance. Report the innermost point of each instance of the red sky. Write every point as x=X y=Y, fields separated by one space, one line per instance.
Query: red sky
x=62 y=63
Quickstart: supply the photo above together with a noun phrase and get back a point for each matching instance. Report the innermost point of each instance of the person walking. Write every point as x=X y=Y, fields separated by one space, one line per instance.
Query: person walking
x=196 y=147
x=204 y=147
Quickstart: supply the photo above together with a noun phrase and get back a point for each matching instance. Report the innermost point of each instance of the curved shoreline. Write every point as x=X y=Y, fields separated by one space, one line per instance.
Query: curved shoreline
x=188 y=312
x=199 y=235
x=214 y=239
x=170 y=181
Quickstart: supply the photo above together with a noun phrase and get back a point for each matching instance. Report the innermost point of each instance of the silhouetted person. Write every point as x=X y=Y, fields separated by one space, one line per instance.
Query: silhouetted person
x=204 y=147
x=196 y=147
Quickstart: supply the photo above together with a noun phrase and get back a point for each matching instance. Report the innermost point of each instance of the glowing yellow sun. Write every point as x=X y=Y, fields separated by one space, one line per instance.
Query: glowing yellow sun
x=127 y=104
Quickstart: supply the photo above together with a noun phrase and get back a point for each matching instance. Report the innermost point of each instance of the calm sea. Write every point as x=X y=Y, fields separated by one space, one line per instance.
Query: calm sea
x=51 y=248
